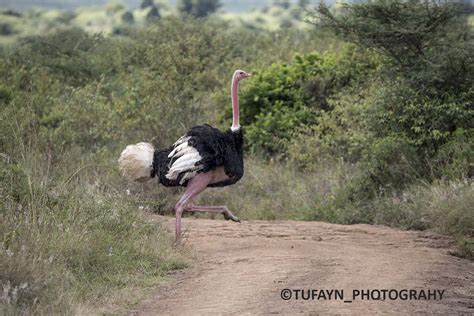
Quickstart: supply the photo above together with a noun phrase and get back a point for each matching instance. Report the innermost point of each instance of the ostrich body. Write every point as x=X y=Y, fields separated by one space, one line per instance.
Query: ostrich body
x=203 y=157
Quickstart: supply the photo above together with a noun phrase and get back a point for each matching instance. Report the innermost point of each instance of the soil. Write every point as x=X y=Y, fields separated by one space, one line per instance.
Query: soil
x=242 y=269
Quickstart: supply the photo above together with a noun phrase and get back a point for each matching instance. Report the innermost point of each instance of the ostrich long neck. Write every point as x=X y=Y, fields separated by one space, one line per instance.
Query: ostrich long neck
x=235 y=103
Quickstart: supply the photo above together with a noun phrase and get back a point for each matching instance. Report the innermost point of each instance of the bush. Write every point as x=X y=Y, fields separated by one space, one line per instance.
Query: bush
x=416 y=36
x=67 y=240
x=390 y=165
x=286 y=97
x=455 y=159
x=198 y=8
x=427 y=122
x=425 y=86
x=72 y=56
x=340 y=134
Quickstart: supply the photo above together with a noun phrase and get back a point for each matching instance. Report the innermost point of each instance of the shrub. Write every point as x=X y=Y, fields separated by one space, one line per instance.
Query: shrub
x=198 y=8
x=401 y=29
x=425 y=86
x=285 y=97
x=455 y=159
x=72 y=56
x=340 y=134
x=427 y=122
x=391 y=163
x=66 y=239
x=425 y=41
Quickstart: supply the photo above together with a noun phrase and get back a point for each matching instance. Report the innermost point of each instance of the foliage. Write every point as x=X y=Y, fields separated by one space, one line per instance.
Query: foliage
x=198 y=8
x=347 y=135
x=427 y=122
x=429 y=67
x=66 y=241
x=455 y=159
x=340 y=134
x=417 y=37
x=73 y=55
x=285 y=97
x=401 y=29
x=391 y=163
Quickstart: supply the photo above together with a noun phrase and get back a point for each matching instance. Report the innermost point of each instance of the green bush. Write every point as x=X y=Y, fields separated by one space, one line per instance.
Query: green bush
x=416 y=36
x=340 y=134
x=455 y=159
x=198 y=8
x=391 y=163
x=427 y=122
x=286 y=97
x=66 y=240
x=72 y=56
x=424 y=88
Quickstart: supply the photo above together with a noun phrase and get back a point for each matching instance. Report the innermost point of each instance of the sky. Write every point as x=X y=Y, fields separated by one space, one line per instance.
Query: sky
x=228 y=5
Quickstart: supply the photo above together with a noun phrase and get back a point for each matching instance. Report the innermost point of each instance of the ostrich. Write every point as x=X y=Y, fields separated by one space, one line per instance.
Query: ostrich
x=203 y=157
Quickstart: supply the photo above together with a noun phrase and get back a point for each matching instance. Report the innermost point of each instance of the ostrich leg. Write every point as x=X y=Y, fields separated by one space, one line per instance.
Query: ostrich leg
x=215 y=209
x=195 y=186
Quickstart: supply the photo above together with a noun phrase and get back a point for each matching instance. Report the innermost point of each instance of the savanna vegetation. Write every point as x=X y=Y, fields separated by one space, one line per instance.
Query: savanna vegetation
x=364 y=117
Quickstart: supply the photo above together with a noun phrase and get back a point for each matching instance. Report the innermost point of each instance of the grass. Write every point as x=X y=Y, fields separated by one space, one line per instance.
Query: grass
x=276 y=191
x=444 y=207
x=71 y=240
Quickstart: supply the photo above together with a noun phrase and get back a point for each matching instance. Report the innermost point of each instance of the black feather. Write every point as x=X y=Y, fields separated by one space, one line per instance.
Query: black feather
x=216 y=148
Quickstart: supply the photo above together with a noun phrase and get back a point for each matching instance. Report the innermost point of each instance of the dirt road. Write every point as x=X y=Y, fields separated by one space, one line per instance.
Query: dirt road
x=242 y=269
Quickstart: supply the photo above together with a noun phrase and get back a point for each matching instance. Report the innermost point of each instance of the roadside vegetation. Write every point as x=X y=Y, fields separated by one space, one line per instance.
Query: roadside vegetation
x=350 y=120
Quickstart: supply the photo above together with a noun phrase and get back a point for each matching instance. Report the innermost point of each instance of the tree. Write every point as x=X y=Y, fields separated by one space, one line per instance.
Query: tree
x=401 y=29
x=146 y=3
x=198 y=8
x=303 y=4
x=428 y=41
x=425 y=91
x=285 y=4
x=153 y=14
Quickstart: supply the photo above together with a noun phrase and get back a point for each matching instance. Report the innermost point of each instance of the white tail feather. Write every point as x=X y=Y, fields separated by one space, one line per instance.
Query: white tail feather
x=136 y=162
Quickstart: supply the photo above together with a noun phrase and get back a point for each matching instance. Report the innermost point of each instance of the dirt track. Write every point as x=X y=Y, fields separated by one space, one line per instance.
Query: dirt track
x=242 y=269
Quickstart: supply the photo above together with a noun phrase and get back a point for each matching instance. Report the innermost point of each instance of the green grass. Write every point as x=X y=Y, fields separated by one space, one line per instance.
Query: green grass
x=277 y=191
x=71 y=240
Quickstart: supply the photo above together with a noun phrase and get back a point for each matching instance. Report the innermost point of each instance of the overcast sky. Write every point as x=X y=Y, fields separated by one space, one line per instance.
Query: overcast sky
x=228 y=5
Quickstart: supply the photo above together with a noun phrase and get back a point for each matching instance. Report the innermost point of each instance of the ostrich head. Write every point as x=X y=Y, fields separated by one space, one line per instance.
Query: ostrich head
x=240 y=74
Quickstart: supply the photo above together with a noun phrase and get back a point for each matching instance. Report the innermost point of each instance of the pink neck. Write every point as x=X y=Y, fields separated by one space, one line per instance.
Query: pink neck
x=235 y=103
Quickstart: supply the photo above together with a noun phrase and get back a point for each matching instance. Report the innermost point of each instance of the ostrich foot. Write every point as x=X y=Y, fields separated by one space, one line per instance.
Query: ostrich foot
x=229 y=216
x=215 y=209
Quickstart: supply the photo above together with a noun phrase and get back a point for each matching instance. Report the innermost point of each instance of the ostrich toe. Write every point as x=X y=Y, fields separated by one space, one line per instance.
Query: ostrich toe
x=229 y=216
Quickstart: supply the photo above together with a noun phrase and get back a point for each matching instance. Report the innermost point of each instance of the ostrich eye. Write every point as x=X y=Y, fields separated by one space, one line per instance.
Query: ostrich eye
x=241 y=73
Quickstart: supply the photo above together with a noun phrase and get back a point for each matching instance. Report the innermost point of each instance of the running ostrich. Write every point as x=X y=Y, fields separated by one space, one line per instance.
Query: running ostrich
x=203 y=157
